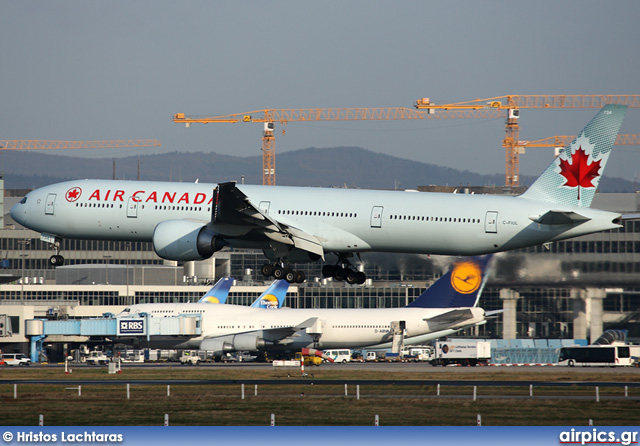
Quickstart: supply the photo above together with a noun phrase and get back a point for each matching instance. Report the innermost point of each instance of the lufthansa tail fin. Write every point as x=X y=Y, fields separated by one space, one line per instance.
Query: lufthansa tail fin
x=273 y=297
x=460 y=287
x=573 y=177
x=219 y=292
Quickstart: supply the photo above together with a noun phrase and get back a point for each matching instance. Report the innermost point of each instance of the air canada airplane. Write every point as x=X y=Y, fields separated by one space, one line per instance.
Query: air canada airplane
x=191 y=221
x=447 y=306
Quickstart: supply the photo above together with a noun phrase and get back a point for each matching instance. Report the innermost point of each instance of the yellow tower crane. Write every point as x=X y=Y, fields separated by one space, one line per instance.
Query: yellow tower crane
x=283 y=116
x=512 y=105
x=50 y=144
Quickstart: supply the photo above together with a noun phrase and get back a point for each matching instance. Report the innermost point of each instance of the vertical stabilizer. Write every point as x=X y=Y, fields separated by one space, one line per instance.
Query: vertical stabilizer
x=573 y=177
x=460 y=287
x=219 y=292
x=273 y=297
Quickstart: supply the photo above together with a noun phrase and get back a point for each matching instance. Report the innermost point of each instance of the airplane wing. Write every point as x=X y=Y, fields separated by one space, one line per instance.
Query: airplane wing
x=234 y=215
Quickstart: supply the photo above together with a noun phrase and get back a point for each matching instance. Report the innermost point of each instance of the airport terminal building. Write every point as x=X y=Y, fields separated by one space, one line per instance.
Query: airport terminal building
x=570 y=289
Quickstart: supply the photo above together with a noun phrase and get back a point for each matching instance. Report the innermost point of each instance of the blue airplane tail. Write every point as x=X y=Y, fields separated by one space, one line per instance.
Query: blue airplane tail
x=219 y=292
x=273 y=297
x=460 y=287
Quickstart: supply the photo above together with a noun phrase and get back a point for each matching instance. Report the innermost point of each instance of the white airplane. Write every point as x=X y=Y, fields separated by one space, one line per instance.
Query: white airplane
x=447 y=306
x=191 y=221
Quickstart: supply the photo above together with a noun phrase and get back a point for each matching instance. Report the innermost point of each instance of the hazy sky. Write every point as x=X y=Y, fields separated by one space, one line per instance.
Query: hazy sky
x=94 y=70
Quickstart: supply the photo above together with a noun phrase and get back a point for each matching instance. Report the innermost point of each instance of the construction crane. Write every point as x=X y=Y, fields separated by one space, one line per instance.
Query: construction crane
x=49 y=144
x=512 y=104
x=283 y=116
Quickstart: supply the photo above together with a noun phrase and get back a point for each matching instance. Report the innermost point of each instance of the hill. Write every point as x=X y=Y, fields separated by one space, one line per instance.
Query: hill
x=329 y=167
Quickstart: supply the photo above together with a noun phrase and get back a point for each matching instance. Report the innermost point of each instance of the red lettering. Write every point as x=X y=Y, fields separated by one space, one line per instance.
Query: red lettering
x=95 y=194
x=136 y=199
x=185 y=198
x=118 y=194
x=153 y=197
x=107 y=196
x=210 y=201
x=199 y=199
x=169 y=197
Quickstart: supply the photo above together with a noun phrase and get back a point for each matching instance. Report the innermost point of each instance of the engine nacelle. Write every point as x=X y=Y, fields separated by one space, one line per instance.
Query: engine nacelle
x=218 y=346
x=185 y=240
x=248 y=343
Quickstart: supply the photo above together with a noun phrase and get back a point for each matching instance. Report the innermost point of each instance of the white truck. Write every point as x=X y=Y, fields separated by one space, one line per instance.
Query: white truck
x=96 y=357
x=466 y=353
x=190 y=357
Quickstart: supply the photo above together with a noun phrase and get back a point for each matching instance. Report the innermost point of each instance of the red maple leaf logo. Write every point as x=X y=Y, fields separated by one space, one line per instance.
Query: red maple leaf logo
x=579 y=173
x=73 y=194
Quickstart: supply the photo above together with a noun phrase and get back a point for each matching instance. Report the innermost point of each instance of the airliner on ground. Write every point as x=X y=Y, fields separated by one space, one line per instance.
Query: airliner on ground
x=302 y=224
x=446 y=307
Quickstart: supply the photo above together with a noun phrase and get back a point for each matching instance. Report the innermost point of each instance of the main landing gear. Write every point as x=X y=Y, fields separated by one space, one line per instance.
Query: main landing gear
x=280 y=271
x=345 y=272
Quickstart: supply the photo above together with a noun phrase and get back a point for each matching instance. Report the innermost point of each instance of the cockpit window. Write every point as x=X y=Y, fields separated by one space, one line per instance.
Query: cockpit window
x=23 y=201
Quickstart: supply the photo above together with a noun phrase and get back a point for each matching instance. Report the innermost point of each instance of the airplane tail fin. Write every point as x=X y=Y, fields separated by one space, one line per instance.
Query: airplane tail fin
x=273 y=297
x=460 y=287
x=219 y=292
x=573 y=177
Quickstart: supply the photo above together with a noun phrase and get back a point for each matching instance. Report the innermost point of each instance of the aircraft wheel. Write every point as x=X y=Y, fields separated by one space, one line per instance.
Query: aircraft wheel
x=267 y=270
x=56 y=260
x=300 y=277
x=329 y=270
x=278 y=272
x=361 y=278
x=350 y=277
x=290 y=276
x=340 y=274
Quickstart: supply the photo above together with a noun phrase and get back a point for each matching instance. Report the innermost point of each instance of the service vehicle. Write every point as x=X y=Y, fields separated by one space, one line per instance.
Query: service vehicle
x=96 y=357
x=308 y=360
x=15 y=359
x=339 y=356
x=599 y=355
x=462 y=352
x=189 y=357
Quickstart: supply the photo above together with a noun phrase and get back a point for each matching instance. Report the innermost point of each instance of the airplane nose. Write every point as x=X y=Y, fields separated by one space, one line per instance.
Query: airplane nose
x=18 y=213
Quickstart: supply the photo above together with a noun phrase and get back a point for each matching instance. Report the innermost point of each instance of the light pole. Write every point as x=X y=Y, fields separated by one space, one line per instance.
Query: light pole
x=22 y=244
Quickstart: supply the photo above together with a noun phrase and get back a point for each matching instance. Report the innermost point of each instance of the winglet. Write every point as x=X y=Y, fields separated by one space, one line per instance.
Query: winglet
x=573 y=177
x=219 y=292
x=460 y=287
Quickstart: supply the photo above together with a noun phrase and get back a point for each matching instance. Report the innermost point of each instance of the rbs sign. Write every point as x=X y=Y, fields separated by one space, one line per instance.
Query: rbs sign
x=131 y=327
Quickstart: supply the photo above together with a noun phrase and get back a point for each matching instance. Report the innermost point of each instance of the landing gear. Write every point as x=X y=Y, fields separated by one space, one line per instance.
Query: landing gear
x=281 y=271
x=56 y=259
x=344 y=271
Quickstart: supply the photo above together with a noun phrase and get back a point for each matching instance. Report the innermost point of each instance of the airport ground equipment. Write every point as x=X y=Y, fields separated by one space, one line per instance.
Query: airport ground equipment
x=189 y=357
x=142 y=328
x=462 y=352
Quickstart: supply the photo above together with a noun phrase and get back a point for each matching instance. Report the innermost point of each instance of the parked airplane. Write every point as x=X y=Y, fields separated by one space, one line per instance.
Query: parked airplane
x=273 y=297
x=301 y=224
x=449 y=305
x=219 y=292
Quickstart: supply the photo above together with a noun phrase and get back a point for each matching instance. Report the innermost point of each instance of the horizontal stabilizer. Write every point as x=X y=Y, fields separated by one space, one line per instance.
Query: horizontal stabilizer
x=451 y=317
x=631 y=217
x=560 y=218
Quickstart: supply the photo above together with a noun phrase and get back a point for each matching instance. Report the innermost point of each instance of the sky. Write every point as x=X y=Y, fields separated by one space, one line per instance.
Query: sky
x=98 y=70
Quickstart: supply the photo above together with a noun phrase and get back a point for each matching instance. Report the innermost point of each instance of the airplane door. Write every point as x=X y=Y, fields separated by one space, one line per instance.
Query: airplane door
x=49 y=205
x=132 y=208
x=376 y=217
x=264 y=206
x=491 y=222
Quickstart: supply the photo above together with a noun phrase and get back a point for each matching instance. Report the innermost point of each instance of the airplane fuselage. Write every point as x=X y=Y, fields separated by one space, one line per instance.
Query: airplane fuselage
x=326 y=328
x=342 y=220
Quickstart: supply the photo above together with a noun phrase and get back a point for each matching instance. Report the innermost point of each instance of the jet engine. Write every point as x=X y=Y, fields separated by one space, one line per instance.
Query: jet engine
x=246 y=342
x=185 y=240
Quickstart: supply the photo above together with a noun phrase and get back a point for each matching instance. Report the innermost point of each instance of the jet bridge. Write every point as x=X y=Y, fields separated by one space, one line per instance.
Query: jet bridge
x=141 y=326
